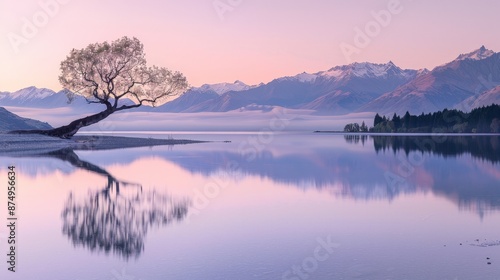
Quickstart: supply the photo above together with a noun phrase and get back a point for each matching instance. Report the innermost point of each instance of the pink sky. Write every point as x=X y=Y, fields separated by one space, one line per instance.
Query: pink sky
x=253 y=41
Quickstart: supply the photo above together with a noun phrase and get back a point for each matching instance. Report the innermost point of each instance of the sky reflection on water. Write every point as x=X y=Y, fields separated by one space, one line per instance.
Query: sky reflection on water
x=396 y=211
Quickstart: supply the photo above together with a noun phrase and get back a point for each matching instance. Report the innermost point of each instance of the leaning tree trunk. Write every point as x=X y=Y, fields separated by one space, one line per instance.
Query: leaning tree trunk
x=67 y=131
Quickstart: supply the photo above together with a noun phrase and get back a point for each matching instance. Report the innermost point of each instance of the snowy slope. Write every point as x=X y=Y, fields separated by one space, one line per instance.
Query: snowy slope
x=445 y=86
x=478 y=54
x=42 y=98
x=357 y=87
x=38 y=98
x=367 y=70
x=222 y=88
x=336 y=91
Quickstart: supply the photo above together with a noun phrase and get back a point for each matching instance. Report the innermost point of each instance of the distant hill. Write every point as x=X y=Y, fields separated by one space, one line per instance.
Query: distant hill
x=10 y=121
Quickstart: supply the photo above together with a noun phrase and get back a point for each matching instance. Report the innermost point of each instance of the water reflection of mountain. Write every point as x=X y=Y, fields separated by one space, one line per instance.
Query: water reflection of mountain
x=319 y=169
x=361 y=175
x=472 y=184
x=356 y=173
x=357 y=170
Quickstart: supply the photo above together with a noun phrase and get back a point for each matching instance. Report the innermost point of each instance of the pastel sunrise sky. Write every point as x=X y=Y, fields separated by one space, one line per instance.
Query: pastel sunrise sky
x=254 y=41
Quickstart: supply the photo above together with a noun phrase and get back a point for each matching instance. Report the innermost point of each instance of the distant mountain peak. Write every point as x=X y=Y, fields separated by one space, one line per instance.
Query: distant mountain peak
x=423 y=71
x=478 y=54
x=33 y=93
x=306 y=77
x=222 y=88
x=367 y=70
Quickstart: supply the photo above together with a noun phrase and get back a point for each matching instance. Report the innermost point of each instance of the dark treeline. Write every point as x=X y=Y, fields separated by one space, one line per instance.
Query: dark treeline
x=479 y=120
x=482 y=147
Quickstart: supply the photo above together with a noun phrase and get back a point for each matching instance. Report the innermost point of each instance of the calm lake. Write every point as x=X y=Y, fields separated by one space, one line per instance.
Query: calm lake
x=264 y=206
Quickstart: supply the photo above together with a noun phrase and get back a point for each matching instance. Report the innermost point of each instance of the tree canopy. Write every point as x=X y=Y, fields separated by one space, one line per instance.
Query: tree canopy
x=107 y=73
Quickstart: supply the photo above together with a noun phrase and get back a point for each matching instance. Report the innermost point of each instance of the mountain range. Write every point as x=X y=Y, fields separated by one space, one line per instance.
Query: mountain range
x=464 y=83
x=471 y=80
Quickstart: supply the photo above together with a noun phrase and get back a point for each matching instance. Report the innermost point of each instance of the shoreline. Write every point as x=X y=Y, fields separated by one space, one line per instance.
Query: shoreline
x=11 y=144
x=404 y=133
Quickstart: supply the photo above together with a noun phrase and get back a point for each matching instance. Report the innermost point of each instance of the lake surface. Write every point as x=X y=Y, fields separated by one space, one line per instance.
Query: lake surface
x=264 y=206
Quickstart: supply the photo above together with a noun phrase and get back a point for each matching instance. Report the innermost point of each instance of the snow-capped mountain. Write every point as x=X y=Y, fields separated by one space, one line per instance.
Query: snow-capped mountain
x=38 y=98
x=467 y=82
x=339 y=90
x=368 y=70
x=445 y=86
x=479 y=54
x=222 y=88
x=358 y=70
x=32 y=97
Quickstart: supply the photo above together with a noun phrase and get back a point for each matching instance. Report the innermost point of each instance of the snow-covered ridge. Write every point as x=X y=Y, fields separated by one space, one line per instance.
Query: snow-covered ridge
x=28 y=93
x=222 y=88
x=342 y=89
x=478 y=54
x=306 y=77
x=357 y=69
x=367 y=70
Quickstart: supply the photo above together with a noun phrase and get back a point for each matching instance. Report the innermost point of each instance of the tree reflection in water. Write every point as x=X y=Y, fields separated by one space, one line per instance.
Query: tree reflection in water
x=117 y=218
x=485 y=147
x=478 y=193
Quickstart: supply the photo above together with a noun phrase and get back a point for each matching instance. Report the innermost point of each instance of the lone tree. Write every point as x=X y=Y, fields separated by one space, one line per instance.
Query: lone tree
x=106 y=73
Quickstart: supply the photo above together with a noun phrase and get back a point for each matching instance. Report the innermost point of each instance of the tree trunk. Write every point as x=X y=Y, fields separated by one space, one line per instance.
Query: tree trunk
x=71 y=129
